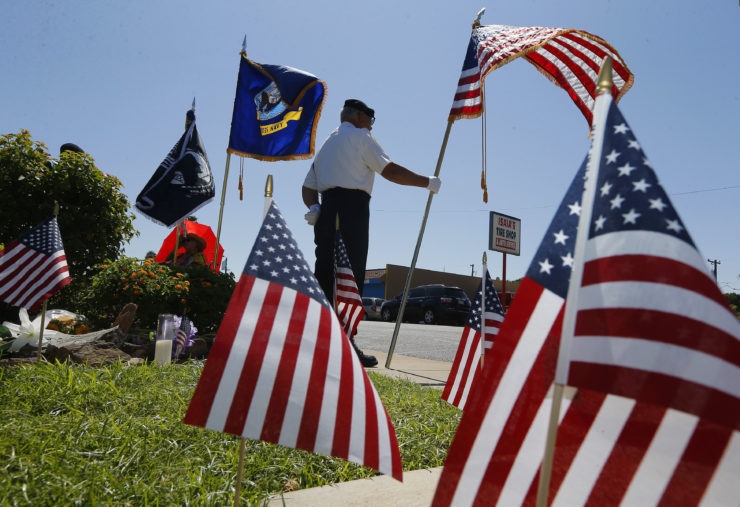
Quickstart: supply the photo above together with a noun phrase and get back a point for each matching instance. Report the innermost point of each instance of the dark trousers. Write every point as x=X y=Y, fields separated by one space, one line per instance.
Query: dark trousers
x=353 y=208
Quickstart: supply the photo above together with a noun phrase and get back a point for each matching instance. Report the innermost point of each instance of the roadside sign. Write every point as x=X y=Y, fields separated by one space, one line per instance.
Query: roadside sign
x=504 y=233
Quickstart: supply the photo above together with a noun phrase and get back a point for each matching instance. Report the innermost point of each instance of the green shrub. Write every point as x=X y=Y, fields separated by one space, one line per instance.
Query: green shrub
x=156 y=288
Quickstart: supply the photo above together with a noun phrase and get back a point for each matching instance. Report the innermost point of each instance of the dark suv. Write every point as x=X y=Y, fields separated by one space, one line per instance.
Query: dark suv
x=430 y=303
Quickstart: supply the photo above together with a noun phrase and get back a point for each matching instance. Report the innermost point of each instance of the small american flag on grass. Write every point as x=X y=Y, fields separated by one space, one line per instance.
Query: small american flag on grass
x=34 y=267
x=466 y=366
x=348 y=300
x=282 y=370
x=610 y=450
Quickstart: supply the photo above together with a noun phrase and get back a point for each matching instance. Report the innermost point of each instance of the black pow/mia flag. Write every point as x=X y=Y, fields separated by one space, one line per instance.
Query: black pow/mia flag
x=182 y=183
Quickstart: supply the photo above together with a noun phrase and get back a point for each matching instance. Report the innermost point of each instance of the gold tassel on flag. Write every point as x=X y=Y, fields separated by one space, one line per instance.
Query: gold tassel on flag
x=241 y=174
x=483 y=185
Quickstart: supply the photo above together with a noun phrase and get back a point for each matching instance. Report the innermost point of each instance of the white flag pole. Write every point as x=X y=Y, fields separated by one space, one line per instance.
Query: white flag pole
x=600 y=111
x=43 y=307
x=243 y=443
x=410 y=274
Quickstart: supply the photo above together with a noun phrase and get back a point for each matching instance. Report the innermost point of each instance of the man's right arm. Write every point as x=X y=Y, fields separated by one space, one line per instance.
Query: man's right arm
x=402 y=176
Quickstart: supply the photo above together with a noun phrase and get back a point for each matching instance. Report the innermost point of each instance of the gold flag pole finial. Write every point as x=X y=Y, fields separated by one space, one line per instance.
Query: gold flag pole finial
x=268 y=186
x=244 y=46
x=476 y=22
x=485 y=258
x=605 y=83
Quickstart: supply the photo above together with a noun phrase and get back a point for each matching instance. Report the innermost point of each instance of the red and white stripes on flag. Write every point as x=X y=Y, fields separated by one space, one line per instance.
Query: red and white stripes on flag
x=466 y=365
x=465 y=369
x=674 y=441
x=348 y=299
x=609 y=449
x=34 y=267
x=282 y=370
x=569 y=58
x=646 y=319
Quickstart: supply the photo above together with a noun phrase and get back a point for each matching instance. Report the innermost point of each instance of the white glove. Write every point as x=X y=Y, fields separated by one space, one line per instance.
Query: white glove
x=434 y=184
x=313 y=214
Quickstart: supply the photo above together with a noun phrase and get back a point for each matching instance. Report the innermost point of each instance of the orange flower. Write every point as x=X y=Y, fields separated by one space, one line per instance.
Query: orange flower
x=183 y=301
x=186 y=282
x=142 y=271
x=124 y=280
x=137 y=292
x=133 y=276
x=178 y=287
x=125 y=287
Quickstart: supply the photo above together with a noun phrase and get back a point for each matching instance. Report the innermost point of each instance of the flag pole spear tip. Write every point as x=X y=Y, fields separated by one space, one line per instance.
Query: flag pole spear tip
x=485 y=258
x=604 y=84
x=244 y=45
x=476 y=22
x=268 y=186
x=193 y=107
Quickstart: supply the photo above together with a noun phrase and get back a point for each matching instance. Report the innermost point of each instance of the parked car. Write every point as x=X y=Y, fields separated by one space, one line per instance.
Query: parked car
x=372 y=308
x=430 y=303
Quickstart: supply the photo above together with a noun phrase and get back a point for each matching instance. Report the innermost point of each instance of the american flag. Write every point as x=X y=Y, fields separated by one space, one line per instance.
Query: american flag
x=282 y=369
x=181 y=338
x=609 y=449
x=465 y=367
x=348 y=299
x=651 y=323
x=569 y=58
x=34 y=267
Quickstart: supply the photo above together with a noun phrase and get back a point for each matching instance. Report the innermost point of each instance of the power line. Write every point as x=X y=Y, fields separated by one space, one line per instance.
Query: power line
x=544 y=206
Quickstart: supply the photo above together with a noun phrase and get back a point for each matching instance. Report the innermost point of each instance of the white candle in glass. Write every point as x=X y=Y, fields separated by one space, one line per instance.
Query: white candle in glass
x=165 y=334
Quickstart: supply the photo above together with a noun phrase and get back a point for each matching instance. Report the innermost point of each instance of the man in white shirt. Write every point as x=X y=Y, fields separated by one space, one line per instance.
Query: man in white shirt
x=343 y=172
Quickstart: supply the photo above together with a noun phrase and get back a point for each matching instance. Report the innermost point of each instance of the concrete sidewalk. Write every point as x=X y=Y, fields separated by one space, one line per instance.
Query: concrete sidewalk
x=422 y=371
x=418 y=486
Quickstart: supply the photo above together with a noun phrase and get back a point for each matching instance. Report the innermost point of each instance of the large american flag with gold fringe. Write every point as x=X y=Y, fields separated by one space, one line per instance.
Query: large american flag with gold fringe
x=569 y=58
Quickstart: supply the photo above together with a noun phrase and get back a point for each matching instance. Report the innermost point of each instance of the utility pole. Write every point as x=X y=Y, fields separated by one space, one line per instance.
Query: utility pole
x=715 y=262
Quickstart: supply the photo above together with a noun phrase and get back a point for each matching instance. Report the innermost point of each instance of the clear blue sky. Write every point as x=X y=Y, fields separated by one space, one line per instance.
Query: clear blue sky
x=116 y=78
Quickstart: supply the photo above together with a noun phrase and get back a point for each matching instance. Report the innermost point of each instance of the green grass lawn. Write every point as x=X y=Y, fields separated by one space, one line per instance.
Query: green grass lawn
x=70 y=434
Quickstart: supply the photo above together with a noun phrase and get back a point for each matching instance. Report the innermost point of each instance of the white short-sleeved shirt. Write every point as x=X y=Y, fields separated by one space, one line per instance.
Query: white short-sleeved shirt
x=349 y=158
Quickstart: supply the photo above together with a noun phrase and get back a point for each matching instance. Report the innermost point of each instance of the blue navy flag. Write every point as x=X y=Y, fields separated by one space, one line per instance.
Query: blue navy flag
x=276 y=111
x=182 y=183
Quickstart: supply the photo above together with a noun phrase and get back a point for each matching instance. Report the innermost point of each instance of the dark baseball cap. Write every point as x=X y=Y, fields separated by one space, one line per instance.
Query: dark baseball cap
x=360 y=106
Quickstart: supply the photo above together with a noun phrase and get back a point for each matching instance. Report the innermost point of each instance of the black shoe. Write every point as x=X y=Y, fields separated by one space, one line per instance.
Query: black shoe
x=366 y=360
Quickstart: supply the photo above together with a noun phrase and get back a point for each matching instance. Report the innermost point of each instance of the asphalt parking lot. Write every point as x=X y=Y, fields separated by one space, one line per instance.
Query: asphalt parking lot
x=416 y=340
